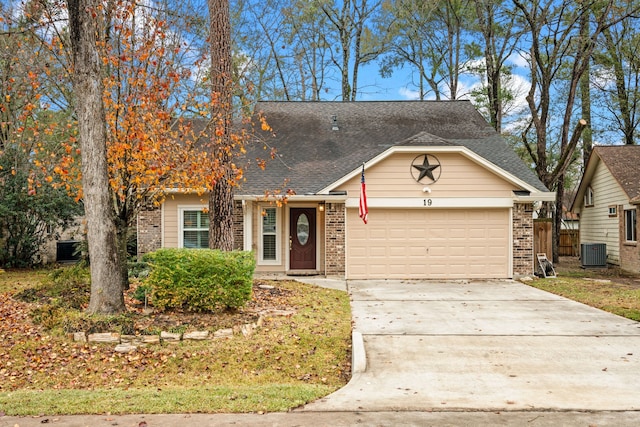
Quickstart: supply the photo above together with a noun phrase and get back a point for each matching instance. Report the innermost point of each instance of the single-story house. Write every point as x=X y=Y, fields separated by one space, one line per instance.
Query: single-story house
x=607 y=202
x=447 y=197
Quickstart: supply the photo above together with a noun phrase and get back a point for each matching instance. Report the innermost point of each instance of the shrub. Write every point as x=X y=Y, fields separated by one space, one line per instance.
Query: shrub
x=143 y=292
x=27 y=218
x=138 y=269
x=200 y=279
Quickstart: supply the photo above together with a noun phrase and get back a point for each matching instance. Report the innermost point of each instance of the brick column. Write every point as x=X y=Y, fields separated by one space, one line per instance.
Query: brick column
x=335 y=239
x=523 y=261
x=629 y=252
x=149 y=230
x=238 y=225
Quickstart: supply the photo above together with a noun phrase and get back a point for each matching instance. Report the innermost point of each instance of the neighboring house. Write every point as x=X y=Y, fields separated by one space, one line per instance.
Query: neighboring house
x=607 y=202
x=64 y=247
x=570 y=219
x=447 y=197
x=569 y=244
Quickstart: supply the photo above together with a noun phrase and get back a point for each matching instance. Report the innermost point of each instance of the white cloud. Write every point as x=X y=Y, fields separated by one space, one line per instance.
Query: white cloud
x=463 y=91
x=519 y=59
x=603 y=77
x=466 y=87
x=408 y=94
x=473 y=66
x=519 y=87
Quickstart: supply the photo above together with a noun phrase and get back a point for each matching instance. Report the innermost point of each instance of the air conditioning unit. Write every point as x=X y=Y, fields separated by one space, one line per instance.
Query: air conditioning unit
x=593 y=254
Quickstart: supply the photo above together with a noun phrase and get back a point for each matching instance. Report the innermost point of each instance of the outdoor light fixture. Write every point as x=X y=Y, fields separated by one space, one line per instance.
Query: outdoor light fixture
x=321 y=207
x=334 y=121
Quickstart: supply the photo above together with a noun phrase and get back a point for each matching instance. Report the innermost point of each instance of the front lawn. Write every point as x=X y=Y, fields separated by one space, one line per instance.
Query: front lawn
x=608 y=289
x=299 y=354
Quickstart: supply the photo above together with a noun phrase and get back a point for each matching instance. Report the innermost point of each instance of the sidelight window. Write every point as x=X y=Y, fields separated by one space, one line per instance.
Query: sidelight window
x=269 y=236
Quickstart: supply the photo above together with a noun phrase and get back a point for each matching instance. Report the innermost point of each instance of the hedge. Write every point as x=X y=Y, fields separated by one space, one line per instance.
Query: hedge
x=200 y=279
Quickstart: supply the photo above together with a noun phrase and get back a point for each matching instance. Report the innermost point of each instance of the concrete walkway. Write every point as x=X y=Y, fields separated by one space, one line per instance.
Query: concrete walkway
x=486 y=346
x=338 y=419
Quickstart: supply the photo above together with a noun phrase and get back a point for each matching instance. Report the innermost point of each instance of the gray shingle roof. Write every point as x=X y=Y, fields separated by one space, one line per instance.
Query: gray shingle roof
x=623 y=161
x=312 y=156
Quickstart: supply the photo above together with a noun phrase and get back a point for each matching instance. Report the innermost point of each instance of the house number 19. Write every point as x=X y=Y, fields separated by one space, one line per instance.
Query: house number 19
x=428 y=202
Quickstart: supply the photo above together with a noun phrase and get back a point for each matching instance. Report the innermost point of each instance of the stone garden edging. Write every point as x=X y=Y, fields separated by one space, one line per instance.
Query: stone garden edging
x=130 y=343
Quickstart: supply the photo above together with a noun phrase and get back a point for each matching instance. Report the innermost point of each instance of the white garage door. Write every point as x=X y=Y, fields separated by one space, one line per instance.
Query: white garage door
x=432 y=244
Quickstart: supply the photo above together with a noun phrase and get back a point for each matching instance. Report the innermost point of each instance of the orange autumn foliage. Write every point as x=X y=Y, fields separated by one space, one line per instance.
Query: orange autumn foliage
x=159 y=136
x=150 y=148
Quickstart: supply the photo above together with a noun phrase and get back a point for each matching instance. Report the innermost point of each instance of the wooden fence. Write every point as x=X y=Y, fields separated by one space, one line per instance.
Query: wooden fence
x=543 y=239
x=569 y=242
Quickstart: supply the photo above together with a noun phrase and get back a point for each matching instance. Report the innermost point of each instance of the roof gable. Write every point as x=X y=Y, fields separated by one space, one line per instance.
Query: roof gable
x=438 y=149
x=622 y=163
x=425 y=139
x=319 y=143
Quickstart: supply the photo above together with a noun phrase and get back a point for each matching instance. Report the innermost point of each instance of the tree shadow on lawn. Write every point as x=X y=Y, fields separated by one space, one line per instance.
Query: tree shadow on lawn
x=572 y=267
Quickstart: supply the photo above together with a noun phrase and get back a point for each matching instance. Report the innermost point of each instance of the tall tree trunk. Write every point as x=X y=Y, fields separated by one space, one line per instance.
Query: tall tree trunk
x=623 y=101
x=344 y=29
x=106 y=286
x=123 y=253
x=221 y=197
x=585 y=96
x=221 y=213
x=557 y=219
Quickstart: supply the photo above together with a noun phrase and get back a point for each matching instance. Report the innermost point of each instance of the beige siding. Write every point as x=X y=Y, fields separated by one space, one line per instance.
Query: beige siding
x=460 y=177
x=170 y=216
x=438 y=243
x=596 y=226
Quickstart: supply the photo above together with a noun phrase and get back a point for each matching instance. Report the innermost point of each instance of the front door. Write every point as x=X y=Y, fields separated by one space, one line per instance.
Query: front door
x=302 y=239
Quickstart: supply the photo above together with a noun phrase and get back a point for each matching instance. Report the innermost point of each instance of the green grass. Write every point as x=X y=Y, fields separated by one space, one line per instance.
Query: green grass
x=17 y=280
x=289 y=361
x=205 y=398
x=605 y=294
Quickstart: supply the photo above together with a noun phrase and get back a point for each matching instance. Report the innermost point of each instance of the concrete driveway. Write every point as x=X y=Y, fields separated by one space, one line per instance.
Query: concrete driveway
x=485 y=346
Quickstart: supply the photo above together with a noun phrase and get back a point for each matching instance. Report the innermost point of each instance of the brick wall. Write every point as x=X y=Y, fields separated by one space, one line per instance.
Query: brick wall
x=523 y=262
x=238 y=225
x=149 y=230
x=629 y=252
x=335 y=239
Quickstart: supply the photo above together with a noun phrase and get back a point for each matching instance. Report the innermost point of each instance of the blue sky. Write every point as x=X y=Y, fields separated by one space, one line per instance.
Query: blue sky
x=398 y=87
x=373 y=87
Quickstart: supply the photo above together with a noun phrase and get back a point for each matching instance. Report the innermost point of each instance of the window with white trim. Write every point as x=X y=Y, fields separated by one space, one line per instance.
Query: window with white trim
x=269 y=250
x=613 y=211
x=630 y=225
x=588 y=197
x=194 y=226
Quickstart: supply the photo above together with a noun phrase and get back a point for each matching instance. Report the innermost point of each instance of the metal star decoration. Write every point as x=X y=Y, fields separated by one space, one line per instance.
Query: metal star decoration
x=426 y=169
